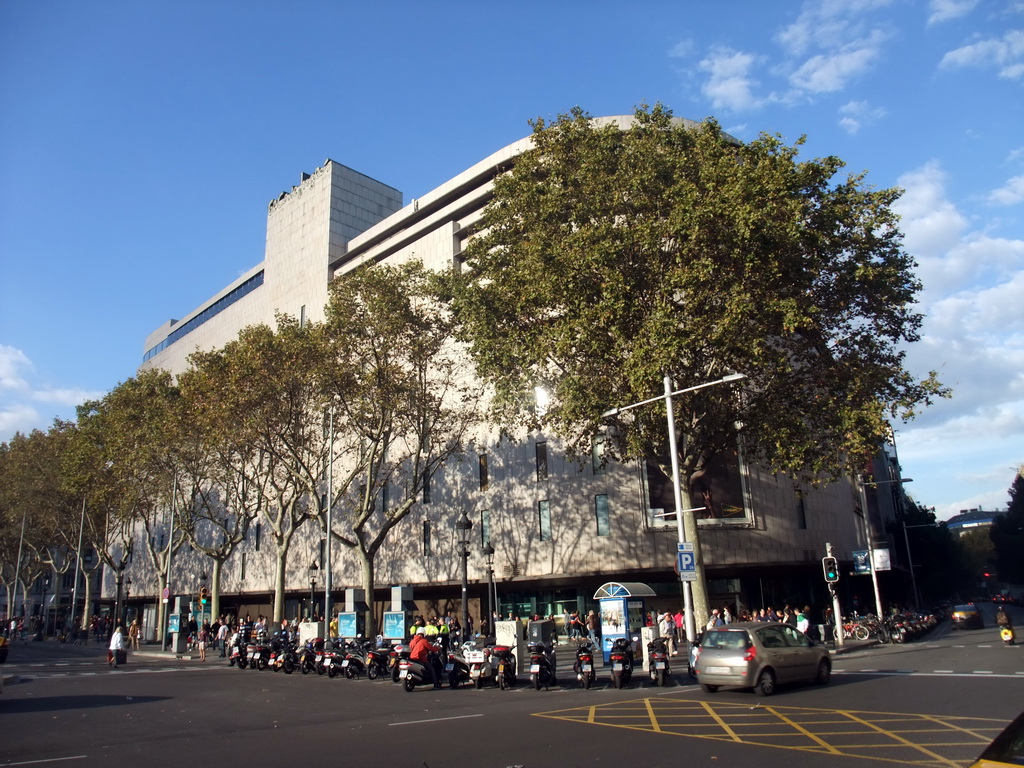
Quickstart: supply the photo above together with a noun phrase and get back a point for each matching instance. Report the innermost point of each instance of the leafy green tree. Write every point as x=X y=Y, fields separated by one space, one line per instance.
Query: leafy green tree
x=218 y=465
x=1008 y=535
x=401 y=402
x=265 y=384
x=612 y=256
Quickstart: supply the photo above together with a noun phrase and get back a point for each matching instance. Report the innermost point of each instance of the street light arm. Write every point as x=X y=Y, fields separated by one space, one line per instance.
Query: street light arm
x=724 y=380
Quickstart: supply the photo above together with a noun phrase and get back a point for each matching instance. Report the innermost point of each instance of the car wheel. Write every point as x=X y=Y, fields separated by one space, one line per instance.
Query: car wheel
x=824 y=672
x=709 y=688
x=766 y=683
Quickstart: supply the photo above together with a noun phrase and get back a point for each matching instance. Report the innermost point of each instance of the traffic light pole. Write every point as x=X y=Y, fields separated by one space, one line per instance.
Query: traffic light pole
x=837 y=613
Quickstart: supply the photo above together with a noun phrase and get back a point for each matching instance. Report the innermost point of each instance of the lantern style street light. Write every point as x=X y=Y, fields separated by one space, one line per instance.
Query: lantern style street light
x=463 y=525
x=489 y=557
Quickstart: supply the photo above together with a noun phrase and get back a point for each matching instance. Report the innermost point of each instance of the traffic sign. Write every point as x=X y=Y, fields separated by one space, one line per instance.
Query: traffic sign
x=686 y=563
x=166 y=593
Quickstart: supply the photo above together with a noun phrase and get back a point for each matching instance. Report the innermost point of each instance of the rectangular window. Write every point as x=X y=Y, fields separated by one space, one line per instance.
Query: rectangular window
x=801 y=510
x=259 y=532
x=323 y=553
x=544 y=518
x=601 y=510
x=241 y=576
x=302 y=316
x=426 y=538
x=597 y=455
x=483 y=472
x=542 y=461
x=426 y=488
x=485 y=527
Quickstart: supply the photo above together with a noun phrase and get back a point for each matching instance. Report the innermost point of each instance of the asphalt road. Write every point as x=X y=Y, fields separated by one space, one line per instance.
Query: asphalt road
x=935 y=702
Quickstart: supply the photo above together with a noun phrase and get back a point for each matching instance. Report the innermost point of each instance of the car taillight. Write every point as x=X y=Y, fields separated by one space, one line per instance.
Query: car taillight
x=751 y=654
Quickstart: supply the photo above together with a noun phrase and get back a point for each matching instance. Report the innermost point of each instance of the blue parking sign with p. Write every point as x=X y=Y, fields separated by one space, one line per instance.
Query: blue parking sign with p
x=685 y=561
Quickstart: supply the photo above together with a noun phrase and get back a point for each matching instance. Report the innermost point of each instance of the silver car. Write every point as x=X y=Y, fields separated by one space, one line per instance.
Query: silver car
x=759 y=655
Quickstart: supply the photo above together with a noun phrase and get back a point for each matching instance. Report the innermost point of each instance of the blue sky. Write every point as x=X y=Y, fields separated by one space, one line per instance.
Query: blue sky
x=141 y=142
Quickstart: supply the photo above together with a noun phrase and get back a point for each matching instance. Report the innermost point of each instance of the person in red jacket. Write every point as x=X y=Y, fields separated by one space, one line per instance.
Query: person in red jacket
x=422 y=651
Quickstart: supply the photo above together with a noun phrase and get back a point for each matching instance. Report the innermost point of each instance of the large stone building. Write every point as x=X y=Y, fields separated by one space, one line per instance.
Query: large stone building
x=560 y=528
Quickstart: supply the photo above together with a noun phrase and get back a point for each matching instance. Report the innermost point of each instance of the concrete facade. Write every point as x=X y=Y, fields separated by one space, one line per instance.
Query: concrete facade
x=336 y=219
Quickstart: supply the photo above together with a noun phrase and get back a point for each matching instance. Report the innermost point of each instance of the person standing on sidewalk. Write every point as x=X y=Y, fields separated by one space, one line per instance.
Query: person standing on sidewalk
x=222 y=638
x=133 y=634
x=204 y=640
x=116 y=646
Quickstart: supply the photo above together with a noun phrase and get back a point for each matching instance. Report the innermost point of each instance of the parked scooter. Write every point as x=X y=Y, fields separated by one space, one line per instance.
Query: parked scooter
x=398 y=652
x=377 y=661
x=584 y=664
x=282 y=655
x=457 y=668
x=334 y=656
x=238 y=656
x=657 y=660
x=477 y=656
x=413 y=673
x=354 y=663
x=503 y=662
x=542 y=665
x=258 y=653
x=311 y=655
x=621 y=658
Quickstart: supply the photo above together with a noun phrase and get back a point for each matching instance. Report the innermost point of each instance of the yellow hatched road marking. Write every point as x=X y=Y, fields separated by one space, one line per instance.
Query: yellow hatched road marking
x=905 y=742
x=890 y=737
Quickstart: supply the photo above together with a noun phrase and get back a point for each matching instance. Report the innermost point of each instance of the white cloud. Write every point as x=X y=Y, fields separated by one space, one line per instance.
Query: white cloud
x=1005 y=53
x=19 y=394
x=945 y=10
x=1011 y=193
x=13 y=363
x=826 y=24
x=857 y=114
x=973 y=336
x=729 y=85
x=832 y=71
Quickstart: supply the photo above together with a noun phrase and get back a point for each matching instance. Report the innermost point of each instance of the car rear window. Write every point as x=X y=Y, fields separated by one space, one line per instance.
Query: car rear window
x=732 y=640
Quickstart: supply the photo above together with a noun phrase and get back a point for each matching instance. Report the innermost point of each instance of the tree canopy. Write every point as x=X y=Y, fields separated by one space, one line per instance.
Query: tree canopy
x=613 y=255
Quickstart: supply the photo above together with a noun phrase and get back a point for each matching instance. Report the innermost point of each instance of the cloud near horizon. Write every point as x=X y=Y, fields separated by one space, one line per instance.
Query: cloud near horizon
x=19 y=394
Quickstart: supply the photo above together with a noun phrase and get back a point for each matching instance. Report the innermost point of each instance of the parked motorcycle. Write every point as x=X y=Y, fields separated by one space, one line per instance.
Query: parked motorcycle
x=658 y=660
x=238 y=656
x=503 y=662
x=413 y=673
x=258 y=654
x=542 y=665
x=398 y=652
x=377 y=661
x=282 y=655
x=478 y=658
x=621 y=658
x=310 y=655
x=584 y=664
x=354 y=663
x=334 y=656
x=457 y=668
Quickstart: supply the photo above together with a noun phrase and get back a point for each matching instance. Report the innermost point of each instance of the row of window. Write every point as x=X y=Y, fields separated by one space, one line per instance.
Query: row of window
x=598 y=462
x=217 y=307
x=601 y=516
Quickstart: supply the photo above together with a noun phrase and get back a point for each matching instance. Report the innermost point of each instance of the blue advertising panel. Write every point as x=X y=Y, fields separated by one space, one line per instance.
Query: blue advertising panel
x=347 y=623
x=394 y=625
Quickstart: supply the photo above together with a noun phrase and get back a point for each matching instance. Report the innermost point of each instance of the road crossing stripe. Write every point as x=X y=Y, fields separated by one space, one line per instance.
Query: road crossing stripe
x=797 y=727
x=897 y=737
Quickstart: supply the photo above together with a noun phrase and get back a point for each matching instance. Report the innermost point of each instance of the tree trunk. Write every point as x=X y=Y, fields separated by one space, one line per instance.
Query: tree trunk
x=366 y=570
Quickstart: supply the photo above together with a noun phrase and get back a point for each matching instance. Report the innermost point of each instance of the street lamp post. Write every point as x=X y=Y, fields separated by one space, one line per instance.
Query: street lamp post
x=312 y=590
x=910 y=561
x=489 y=556
x=328 y=564
x=463 y=525
x=696 y=598
x=75 y=620
x=867 y=533
x=127 y=595
x=41 y=634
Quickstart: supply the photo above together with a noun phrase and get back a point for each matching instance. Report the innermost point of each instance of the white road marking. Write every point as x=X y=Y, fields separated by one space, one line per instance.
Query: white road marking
x=437 y=719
